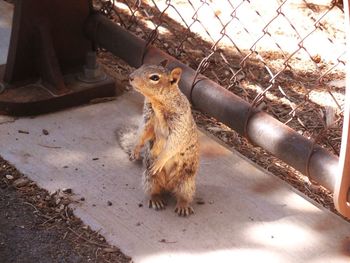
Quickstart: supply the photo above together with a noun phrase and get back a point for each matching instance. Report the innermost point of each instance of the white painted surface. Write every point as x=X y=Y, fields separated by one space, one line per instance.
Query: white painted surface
x=248 y=215
x=6 y=11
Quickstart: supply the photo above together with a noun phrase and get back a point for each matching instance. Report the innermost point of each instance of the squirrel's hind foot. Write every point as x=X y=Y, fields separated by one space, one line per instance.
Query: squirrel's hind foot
x=184 y=210
x=156 y=203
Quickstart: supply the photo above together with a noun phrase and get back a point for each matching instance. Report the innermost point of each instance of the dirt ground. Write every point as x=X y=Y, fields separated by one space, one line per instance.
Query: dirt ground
x=36 y=227
x=23 y=240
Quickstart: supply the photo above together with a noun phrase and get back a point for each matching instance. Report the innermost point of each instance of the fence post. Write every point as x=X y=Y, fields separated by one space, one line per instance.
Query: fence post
x=342 y=186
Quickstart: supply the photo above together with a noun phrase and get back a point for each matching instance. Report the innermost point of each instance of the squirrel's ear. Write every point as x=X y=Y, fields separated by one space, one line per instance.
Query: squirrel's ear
x=164 y=63
x=175 y=75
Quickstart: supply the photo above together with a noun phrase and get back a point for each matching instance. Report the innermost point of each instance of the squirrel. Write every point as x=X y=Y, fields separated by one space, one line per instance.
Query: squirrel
x=169 y=137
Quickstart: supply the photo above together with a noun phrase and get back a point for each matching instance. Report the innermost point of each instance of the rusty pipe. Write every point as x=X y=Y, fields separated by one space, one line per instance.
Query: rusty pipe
x=209 y=97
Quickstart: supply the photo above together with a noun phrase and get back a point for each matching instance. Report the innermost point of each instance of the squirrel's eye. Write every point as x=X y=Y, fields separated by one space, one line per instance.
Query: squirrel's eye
x=154 y=77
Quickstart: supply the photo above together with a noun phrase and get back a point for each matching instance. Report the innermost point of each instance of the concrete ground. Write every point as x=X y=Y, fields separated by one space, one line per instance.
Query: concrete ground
x=243 y=213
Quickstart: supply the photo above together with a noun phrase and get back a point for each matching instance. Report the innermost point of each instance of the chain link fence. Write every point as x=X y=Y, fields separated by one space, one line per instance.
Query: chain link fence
x=284 y=57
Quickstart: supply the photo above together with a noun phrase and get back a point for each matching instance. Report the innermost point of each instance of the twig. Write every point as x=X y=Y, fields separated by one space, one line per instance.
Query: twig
x=37 y=211
x=96 y=254
x=167 y=242
x=48 y=146
x=87 y=240
x=23 y=131
x=48 y=220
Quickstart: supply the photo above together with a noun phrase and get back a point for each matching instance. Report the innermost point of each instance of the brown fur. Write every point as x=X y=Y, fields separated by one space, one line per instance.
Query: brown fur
x=169 y=136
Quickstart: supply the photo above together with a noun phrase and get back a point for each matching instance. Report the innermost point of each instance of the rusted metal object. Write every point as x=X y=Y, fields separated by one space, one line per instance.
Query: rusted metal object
x=207 y=96
x=342 y=186
x=47 y=51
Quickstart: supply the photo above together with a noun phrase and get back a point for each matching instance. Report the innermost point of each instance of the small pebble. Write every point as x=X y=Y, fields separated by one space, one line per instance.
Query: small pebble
x=140 y=205
x=67 y=190
x=82 y=199
x=9 y=177
x=21 y=182
x=95 y=159
x=109 y=203
x=45 y=132
x=58 y=200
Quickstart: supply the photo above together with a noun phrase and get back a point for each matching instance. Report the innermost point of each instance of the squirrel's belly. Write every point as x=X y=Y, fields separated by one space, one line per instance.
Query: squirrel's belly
x=159 y=141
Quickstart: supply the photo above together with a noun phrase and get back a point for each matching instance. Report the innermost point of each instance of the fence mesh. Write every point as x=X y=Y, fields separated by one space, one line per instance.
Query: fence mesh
x=284 y=57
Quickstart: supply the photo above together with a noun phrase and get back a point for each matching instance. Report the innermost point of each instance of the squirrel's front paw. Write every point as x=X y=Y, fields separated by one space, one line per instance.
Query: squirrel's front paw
x=156 y=168
x=135 y=155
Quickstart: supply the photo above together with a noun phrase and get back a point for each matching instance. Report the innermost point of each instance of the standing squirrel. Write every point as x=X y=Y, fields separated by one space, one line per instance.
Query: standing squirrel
x=170 y=138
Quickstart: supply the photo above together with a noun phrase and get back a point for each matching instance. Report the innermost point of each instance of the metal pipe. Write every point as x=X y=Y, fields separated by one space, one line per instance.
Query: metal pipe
x=209 y=97
x=115 y=39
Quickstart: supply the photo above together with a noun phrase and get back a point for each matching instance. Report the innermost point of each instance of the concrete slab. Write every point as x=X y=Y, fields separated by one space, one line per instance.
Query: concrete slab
x=248 y=215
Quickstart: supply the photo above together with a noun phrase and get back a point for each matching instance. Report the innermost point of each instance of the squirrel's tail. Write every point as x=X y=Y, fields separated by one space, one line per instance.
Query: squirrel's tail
x=126 y=137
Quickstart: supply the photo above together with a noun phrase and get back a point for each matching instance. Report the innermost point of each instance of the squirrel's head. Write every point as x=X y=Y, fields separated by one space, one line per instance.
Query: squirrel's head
x=155 y=80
